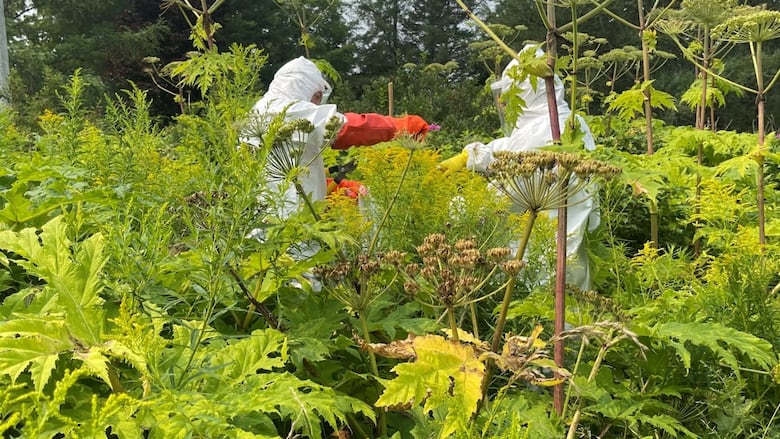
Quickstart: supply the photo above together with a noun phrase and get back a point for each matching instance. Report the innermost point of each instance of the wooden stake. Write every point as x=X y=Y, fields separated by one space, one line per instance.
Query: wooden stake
x=390 y=98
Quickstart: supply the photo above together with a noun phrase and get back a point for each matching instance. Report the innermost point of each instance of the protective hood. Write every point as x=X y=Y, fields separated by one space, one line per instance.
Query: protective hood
x=297 y=80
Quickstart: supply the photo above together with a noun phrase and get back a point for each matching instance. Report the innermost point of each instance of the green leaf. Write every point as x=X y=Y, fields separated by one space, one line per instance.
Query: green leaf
x=667 y=424
x=96 y=363
x=722 y=340
x=404 y=318
x=73 y=276
x=304 y=402
x=32 y=342
x=251 y=355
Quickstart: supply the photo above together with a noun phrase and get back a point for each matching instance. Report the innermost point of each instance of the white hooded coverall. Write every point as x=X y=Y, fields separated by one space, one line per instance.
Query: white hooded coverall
x=290 y=93
x=531 y=131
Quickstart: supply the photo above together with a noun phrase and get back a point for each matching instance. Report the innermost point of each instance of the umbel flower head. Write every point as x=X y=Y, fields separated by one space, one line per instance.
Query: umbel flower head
x=543 y=180
x=284 y=156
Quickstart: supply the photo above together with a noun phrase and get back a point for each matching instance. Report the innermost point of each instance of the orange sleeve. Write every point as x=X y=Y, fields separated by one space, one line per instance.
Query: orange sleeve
x=364 y=129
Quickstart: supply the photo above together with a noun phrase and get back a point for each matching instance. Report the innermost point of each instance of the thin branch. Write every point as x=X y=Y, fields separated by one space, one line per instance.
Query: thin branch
x=269 y=317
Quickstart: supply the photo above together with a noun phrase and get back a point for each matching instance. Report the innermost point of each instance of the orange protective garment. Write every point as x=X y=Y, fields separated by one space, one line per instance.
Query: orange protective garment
x=371 y=128
x=412 y=125
x=364 y=130
x=348 y=188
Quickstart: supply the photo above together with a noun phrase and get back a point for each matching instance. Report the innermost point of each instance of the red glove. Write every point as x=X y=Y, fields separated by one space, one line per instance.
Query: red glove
x=348 y=188
x=363 y=130
x=411 y=125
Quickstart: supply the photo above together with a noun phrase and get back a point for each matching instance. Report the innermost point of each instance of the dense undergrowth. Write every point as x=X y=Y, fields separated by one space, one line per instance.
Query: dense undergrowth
x=136 y=303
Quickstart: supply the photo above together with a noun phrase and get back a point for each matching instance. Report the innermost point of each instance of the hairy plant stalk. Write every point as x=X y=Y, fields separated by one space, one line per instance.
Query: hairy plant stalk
x=757 y=56
x=575 y=420
x=653 y=223
x=646 y=78
x=510 y=286
x=560 y=302
x=453 y=322
x=474 y=321
x=382 y=421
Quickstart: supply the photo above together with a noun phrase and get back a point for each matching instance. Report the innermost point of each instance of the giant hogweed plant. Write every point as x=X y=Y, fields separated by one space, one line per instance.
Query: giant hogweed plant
x=753 y=26
x=191 y=282
x=59 y=334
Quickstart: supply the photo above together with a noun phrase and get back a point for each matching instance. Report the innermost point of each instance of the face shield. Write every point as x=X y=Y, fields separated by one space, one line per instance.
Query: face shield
x=326 y=91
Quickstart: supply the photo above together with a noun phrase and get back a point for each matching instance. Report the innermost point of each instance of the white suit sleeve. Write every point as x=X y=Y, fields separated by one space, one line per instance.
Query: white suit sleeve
x=481 y=155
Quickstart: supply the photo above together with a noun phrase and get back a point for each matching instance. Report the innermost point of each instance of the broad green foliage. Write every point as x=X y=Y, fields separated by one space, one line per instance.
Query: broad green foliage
x=630 y=103
x=148 y=290
x=714 y=337
x=73 y=279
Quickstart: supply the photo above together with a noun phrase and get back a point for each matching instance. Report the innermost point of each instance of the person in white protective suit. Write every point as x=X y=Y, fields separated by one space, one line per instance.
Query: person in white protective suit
x=532 y=131
x=299 y=91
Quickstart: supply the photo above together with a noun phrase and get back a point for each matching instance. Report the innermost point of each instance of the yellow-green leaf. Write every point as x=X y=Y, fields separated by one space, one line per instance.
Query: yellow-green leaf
x=444 y=374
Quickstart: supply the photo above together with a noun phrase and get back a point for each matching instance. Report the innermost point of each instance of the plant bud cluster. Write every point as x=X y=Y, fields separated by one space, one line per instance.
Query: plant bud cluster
x=450 y=273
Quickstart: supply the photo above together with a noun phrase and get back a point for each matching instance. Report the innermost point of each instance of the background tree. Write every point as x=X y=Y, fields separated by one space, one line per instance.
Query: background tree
x=108 y=40
x=4 y=68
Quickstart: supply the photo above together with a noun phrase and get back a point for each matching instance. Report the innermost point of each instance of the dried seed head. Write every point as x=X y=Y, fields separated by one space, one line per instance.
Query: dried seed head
x=498 y=254
x=428 y=273
x=512 y=267
x=446 y=292
x=435 y=239
x=470 y=258
x=369 y=267
x=411 y=287
x=465 y=244
x=456 y=261
x=425 y=249
x=431 y=261
x=444 y=251
x=394 y=258
x=467 y=283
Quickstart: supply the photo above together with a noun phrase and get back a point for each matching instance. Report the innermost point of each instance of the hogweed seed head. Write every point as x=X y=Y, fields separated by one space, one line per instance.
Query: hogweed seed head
x=543 y=180
x=512 y=267
x=465 y=244
x=498 y=254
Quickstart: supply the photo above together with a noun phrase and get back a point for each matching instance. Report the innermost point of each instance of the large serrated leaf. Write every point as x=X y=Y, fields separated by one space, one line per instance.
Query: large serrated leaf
x=249 y=356
x=32 y=342
x=74 y=276
x=444 y=374
x=722 y=340
x=96 y=363
x=303 y=402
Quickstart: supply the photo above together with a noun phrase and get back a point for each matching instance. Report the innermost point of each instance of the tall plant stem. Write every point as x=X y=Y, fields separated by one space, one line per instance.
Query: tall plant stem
x=307 y=201
x=202 y=332
x=574 y=373
x=560 y=302
x=375 y=238
x=646 y=77
x=510 y=286
x=453 y=322
x=653 y=223
x=474 y=321
x=374 y=368
x=757 y=63
x=575 y=420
